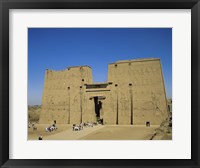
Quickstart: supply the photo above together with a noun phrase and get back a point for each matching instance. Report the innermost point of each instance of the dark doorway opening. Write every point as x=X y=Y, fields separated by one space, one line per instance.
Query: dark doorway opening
x=98 y=106
x=148 y=124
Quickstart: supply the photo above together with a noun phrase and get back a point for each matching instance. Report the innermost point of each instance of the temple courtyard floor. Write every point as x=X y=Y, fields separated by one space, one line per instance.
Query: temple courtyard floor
x=99 y=132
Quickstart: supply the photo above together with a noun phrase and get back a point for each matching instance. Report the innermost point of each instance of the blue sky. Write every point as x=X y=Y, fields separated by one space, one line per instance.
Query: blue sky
x=58 y=48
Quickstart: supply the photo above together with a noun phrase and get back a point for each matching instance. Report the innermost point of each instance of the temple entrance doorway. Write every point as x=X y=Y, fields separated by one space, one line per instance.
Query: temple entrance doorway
x=98 y=107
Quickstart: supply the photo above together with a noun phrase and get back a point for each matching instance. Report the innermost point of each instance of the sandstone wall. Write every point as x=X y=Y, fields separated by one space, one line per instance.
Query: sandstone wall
x=133 y=94
x=139 y=88
x=63 y=94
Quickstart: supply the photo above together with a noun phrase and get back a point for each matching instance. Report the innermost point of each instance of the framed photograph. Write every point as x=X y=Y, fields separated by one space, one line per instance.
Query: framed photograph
x=99 y=83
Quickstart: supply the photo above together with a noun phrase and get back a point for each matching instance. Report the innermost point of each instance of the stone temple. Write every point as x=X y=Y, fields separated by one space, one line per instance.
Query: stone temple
x=134 y=94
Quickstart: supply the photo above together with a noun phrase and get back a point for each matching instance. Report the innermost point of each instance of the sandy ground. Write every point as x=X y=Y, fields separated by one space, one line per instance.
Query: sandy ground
x=33 y=135
x=74 y=135
x=126 y=132
x=100 y=132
